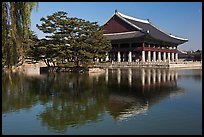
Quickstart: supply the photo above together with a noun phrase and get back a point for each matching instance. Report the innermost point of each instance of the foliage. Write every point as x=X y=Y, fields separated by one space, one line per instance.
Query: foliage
x=15 y=31
x=70 y=40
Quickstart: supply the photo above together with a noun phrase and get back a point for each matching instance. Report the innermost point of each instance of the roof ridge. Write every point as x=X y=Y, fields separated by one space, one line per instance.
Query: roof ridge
x=133 y=18
x=121 y=17
x=128 y=21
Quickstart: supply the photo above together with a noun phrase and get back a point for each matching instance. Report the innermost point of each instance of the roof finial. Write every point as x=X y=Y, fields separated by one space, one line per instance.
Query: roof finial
x=116 y=11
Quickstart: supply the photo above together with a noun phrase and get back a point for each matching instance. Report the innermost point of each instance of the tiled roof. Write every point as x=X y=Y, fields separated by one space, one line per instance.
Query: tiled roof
x=147 y=28
x=124 y=35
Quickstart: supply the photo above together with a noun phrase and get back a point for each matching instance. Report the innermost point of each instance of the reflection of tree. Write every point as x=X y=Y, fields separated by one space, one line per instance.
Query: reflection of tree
x=74 y=99
x=70 y=99
x=73 y=103
x=15 y=94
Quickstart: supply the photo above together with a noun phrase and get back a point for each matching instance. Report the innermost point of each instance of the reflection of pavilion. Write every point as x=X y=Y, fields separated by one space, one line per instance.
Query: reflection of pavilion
x=139 y=89
x=148 y=76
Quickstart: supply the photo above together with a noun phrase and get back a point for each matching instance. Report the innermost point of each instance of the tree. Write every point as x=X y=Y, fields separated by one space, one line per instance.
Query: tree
x=76 y=40
x=15 y=31
x=44 y=50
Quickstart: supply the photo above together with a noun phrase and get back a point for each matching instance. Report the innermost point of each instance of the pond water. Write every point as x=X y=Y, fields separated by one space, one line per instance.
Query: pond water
x=118 y=101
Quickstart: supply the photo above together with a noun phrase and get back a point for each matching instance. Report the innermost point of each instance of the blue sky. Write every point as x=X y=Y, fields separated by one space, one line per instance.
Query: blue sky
x=183 y=19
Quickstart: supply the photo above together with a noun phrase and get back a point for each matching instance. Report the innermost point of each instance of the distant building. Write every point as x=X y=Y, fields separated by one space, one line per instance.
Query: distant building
x=135 y=39
x=190 y=55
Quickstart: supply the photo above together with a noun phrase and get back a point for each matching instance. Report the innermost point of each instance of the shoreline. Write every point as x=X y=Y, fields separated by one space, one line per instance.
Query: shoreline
x=35 y=68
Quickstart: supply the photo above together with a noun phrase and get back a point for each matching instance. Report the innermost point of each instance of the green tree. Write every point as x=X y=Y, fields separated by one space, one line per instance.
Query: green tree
x=73 y=39
x=15 y=31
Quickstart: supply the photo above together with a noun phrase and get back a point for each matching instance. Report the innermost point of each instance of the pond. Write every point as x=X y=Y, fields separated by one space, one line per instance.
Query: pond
x=117 y=102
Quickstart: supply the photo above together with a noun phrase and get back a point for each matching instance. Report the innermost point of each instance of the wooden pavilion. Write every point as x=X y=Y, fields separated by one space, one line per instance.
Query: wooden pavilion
x=137 y=40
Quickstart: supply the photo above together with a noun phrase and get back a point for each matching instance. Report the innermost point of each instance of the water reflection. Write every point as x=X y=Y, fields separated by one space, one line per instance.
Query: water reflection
x=75 y=99
x=139 y=89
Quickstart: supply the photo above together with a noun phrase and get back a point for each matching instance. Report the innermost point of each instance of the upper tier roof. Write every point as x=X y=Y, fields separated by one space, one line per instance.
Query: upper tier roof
x=148 y=28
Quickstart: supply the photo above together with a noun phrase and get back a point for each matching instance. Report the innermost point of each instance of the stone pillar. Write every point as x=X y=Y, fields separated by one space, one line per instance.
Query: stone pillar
x=168 y=56
x=149 y=56
x=159 y=56
x=176 y=57
x=154 y=56
x=164 y=56
x=107 y=56
x=172 y=57
x=130 y=56
x=119 y=58
x=143 y=56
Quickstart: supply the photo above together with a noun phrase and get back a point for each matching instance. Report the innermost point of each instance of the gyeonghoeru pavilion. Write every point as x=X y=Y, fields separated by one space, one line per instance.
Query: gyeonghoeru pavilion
x=137 y=40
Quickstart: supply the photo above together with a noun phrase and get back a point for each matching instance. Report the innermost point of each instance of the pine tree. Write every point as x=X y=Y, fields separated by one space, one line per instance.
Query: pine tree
x=72 y=39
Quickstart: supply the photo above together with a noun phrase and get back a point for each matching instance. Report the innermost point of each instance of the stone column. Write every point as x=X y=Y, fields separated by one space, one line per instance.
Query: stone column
x=159 y=56
x=143 y=56
x=172 y=57
x=168 y=56
x=149 y=56
x=154 y=56
x=164 y=56
x=107 y=56
x=130 y=56
x=119 y=58
x=176 y=57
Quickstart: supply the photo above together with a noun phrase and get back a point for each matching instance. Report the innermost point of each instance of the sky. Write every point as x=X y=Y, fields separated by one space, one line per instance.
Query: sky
x=183 y=19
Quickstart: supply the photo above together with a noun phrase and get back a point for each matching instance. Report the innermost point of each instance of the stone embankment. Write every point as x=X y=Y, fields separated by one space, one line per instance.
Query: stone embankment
x=28 y=68
x=40 y=67
x=186 y=64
